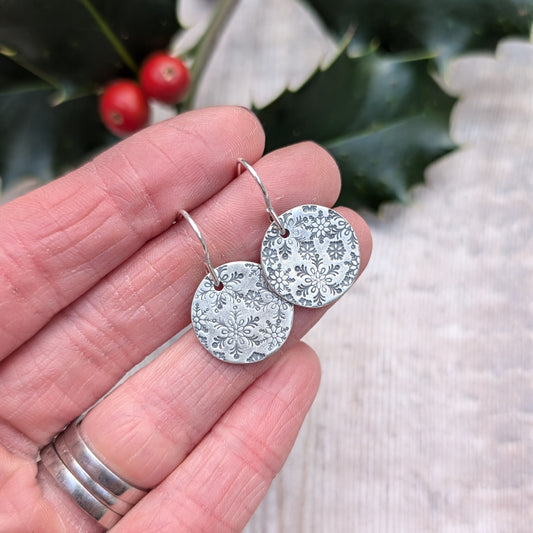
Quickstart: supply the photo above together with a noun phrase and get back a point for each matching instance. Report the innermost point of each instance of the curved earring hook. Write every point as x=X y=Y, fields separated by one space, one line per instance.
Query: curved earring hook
x=196 y=230
x=270 y=210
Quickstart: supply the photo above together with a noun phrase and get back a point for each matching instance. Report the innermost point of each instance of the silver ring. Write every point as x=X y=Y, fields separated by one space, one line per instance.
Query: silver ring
x=75 y=489
x=97 y=470
x=108 y=499
x=97 y=490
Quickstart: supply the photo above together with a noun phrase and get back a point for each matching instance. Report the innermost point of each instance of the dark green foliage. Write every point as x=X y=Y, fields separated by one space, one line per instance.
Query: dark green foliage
x=382 y=117
x=380 y=113
x=377 y=108
x=57 y=52
x=442 y=28
x=64 y=44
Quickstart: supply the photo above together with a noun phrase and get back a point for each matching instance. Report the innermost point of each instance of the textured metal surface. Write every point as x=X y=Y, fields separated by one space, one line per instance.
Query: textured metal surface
x=98 y=491
x=319 y=260
x=75 y=489
x=245 y=321
x=97 y=470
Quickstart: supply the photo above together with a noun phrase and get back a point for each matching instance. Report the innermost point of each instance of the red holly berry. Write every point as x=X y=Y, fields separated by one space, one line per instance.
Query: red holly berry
x=164 y=78
x=123 y=107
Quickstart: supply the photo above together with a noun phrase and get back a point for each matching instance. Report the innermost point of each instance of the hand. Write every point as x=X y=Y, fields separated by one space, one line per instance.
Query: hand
x=95 y=277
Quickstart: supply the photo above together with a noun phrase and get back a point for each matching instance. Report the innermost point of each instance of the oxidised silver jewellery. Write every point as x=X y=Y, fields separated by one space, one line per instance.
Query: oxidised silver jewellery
x=235 y=315
x=242 y=312
x=100 y=492
x=310 y=254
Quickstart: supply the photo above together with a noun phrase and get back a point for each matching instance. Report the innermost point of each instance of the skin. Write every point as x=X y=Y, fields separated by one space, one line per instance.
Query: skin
x=95 y=276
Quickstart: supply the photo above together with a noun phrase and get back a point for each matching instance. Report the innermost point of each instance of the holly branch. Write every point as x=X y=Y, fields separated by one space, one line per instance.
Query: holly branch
x=377 y=107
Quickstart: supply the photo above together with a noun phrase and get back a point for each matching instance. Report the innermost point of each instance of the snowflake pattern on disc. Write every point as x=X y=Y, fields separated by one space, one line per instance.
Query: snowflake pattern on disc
x=245 y=321
x=317 y=262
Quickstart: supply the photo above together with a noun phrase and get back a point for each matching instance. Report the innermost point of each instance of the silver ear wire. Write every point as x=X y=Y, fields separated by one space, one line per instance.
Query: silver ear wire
x=196 y=230
x=270 y=210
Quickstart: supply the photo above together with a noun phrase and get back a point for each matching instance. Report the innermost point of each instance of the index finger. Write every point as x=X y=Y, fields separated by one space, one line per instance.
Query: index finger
x=59 y=240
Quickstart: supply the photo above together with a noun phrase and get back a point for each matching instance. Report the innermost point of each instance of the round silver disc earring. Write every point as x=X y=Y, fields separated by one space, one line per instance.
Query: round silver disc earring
x=234 y=313
x=310 y=254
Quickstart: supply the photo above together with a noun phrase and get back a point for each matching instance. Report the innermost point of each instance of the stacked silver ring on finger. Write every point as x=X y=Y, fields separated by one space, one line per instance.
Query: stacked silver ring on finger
x=100 y=492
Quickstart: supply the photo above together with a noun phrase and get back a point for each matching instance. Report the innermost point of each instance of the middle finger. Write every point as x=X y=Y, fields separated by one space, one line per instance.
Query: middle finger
x=67 y=366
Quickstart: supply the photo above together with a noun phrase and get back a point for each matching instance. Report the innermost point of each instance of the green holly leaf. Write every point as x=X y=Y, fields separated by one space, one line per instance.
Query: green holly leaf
x=45 y=141
x=60 y=53
x=444 y=28
x=77 y=46
x=14 y=78
x=382 y=117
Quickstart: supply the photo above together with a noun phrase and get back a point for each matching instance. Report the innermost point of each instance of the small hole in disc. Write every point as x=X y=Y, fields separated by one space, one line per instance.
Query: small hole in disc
x=219 y=287
x=286 y=233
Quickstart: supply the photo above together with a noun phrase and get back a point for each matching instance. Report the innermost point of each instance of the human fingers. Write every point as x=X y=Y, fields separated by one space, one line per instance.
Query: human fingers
x=281 y=397
x=86 y=348
x=146 y=427
x=222 y=481
x=150 y=424
x=59 y=240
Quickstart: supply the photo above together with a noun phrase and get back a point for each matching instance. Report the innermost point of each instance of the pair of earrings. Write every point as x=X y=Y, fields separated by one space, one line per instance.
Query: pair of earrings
x=242 y=312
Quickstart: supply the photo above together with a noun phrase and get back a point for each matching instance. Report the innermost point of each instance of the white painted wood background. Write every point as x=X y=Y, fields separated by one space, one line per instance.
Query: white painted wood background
x=424 y=419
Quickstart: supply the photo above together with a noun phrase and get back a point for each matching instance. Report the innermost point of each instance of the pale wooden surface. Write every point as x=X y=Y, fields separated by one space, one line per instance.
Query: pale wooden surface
x=424 y=420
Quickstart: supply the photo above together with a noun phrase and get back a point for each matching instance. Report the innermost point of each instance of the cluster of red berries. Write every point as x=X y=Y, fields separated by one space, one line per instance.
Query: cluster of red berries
x=124 y=103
